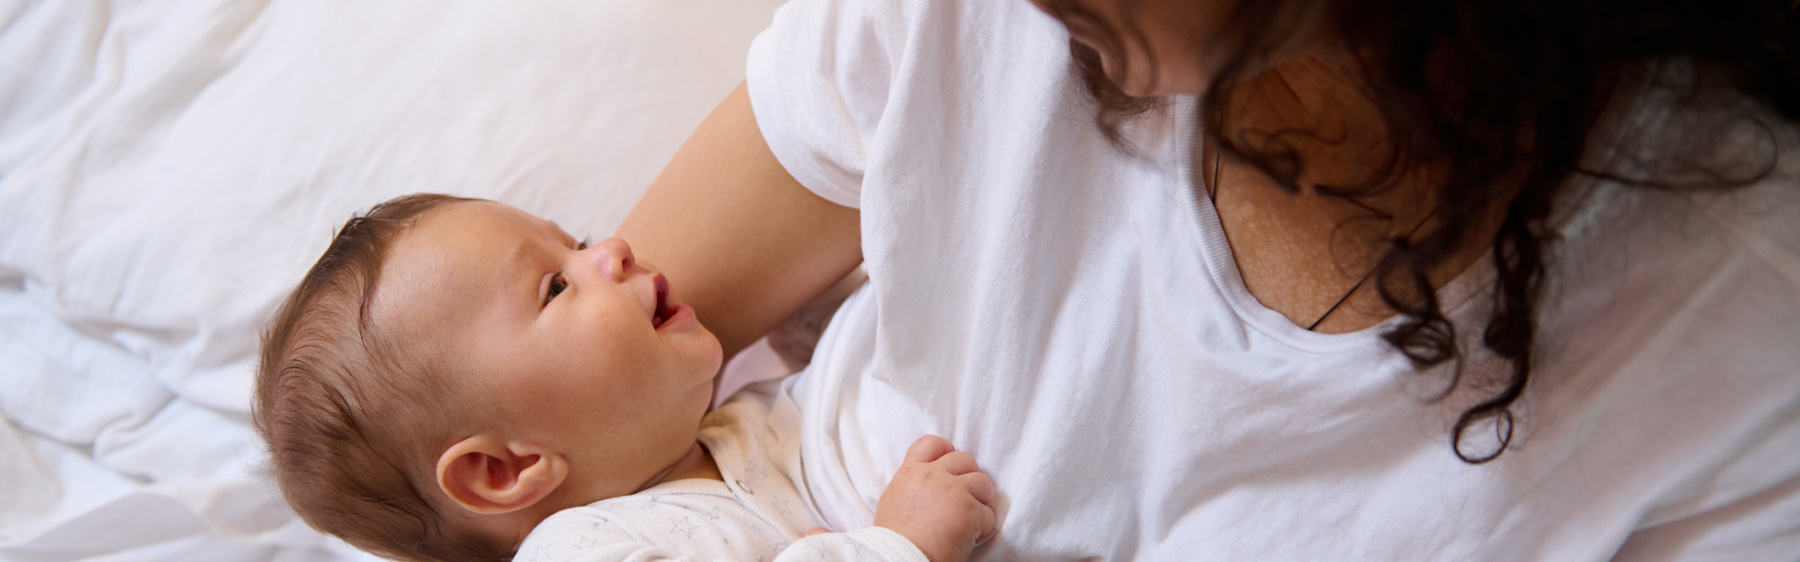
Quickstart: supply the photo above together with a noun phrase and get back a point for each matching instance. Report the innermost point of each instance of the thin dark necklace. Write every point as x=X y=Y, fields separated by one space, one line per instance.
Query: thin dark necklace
x=1212 y=194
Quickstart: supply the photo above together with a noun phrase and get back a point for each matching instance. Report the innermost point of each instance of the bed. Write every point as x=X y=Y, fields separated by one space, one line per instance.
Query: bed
x=169 y=169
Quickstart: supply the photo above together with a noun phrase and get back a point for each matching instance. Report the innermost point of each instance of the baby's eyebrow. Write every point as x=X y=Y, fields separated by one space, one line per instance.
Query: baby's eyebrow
x=559 y=230
x=522 y=260
x=521 y=253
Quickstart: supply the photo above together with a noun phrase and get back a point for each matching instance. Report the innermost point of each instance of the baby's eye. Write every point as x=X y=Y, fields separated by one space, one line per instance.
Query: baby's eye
x=557 y=284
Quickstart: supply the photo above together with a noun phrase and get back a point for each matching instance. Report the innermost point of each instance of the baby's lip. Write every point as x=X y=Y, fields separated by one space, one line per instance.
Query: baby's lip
x=661 y=310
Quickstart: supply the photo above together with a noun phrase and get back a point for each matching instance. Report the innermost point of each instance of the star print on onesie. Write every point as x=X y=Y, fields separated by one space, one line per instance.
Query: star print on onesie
x=683 y=527
x=756 y=513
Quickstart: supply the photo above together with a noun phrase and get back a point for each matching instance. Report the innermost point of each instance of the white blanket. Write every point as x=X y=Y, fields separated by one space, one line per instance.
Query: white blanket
x=171 y=168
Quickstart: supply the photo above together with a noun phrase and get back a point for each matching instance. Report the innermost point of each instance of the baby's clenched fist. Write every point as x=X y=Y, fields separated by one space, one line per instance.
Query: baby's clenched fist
x=939 y=500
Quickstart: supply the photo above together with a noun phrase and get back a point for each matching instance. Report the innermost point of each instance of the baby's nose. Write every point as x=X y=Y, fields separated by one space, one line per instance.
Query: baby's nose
x=615 y=258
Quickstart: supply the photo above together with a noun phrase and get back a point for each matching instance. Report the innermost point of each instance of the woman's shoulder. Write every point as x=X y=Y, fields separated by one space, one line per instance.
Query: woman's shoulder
x=1674 y=153
x=1681 y=243
x=1676 y=259
x=1671 y=309
x=878 y=53
x=841 y=88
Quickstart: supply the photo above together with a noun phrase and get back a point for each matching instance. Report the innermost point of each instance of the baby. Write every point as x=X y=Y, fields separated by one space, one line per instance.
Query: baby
x=458 y=380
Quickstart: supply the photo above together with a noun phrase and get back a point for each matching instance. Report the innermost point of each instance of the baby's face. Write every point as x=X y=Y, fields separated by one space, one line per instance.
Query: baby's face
x=575 y=344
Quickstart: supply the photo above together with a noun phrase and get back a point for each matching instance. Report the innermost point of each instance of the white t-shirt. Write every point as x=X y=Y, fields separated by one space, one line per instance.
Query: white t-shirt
x=756 y=513
x=1073 y=317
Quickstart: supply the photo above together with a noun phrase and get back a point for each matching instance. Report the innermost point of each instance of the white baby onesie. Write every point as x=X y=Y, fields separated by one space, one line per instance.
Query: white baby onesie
x=757 y=513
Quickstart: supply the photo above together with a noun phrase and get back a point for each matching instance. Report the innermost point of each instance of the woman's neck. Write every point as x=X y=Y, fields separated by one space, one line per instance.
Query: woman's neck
x=1307 y=254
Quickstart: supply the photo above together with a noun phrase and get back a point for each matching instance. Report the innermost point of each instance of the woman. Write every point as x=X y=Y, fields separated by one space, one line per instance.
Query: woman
x=1329 y=279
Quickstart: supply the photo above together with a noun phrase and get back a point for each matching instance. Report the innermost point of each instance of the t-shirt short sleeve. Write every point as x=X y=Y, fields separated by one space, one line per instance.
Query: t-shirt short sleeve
x=819 y=79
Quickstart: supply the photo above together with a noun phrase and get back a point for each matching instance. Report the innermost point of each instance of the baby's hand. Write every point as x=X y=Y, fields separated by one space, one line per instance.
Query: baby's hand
x=939 y=500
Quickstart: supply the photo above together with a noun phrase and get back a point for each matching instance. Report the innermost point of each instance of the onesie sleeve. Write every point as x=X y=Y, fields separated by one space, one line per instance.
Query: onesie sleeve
x=595 y=541
x=584 y=540
x=819 y=80
x=868 y=543
x=673 y=528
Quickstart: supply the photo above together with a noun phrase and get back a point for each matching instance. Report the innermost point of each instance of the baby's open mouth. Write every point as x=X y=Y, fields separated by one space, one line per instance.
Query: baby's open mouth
x=663 y=310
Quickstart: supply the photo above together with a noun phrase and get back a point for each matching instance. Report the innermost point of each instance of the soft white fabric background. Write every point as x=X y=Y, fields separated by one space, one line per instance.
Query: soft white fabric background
x=171 y=168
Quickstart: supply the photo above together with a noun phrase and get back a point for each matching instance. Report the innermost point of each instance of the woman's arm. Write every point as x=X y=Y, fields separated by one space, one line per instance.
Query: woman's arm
x=740 y=240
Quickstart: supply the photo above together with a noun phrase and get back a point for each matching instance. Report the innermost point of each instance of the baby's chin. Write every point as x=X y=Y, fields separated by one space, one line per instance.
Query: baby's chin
x=715 y=351
x=711 y=353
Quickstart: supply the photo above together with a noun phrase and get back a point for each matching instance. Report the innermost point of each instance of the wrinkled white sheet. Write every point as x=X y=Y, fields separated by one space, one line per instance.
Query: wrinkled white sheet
x=171 y=168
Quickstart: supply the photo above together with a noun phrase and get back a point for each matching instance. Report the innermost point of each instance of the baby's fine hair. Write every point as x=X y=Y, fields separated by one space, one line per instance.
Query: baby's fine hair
x=351 y=418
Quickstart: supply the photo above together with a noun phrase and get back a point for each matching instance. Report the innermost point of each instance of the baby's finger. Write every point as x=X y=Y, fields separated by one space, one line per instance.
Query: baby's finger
x=928 y=448
x=988 y=523
x=957 y=462
x=816 y=531
x=980 y=486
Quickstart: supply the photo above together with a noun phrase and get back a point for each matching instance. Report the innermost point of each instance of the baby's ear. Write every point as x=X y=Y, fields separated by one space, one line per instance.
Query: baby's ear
x=488 y=475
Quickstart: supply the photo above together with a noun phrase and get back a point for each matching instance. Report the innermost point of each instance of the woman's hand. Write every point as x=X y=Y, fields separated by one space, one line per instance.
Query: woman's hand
x=746 y=244
x=940 y=501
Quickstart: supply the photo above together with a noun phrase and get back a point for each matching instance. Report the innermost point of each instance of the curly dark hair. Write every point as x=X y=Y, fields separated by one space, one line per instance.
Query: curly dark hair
x=1490 y=91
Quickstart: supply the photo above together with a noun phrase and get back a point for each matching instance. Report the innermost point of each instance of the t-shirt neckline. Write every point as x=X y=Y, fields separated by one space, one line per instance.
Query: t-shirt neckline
x=1221 y=264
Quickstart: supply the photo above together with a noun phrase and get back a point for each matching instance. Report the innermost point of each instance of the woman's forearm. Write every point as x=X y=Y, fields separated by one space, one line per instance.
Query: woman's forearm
x=740 y=240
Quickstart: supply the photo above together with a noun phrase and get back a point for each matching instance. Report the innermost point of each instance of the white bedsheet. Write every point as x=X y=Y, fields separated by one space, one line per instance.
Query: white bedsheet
x=171 y=168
